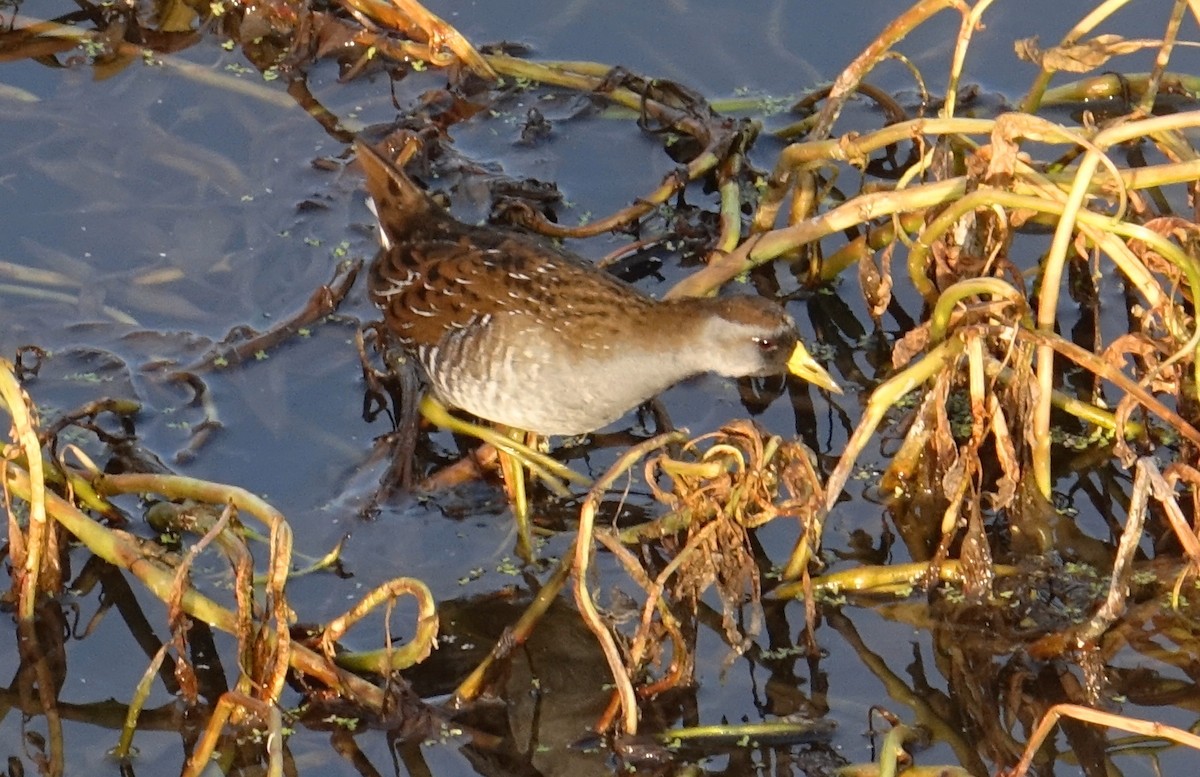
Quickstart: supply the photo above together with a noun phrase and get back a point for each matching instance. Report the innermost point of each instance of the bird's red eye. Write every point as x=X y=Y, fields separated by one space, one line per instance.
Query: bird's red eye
x=767 y=344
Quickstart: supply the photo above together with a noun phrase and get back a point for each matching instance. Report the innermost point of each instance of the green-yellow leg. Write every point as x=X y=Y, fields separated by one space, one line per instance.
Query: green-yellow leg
x=552 y=472
x=514 y=483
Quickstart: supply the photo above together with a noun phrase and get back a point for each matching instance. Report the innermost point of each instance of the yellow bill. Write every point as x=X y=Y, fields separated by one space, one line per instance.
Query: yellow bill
x=803 y=365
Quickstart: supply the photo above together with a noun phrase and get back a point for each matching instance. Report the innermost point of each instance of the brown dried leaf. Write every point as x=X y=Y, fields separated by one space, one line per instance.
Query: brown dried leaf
x=1081 y=57
x=176 y=16
x=1090 y=54
x=914 y=342
x=1183 y=231
x=946 y=254
x=806 y=492
x=1139 y=345
x=975 y=554
x=943 y=435
x=1121 y=448
x=876 y=282
x=1006 y=455
x=1002 y=161
x=333 y=35
x=1027 y=49
x=956 y=479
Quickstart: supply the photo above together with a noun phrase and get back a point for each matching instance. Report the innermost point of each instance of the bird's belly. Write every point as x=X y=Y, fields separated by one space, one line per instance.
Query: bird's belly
x=534 y=389
x=540 y=418
x=545 y=407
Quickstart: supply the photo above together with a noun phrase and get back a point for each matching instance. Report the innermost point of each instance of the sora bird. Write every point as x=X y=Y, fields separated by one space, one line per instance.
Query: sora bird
x=518 y=332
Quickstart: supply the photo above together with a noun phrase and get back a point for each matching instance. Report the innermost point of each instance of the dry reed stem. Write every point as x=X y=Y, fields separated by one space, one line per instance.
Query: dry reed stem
x=892 y=579
x=1050 y=719
x=582 y=562
x=390 y=659
x=416 y=21
x=121 y=550
x=847 y=81
x=30 y=550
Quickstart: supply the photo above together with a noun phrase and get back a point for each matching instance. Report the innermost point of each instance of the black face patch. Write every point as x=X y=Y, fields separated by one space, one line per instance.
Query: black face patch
x=777 y=348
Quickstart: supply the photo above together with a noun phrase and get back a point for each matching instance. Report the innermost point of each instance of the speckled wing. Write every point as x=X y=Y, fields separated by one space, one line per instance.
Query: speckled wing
x=433 y=284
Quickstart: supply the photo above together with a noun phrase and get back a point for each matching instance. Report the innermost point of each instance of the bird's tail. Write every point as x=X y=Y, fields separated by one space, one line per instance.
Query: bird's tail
x=395 y=200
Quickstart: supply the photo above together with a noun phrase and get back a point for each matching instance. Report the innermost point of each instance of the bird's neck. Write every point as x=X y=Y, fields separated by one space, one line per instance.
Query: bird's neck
x=683 y=331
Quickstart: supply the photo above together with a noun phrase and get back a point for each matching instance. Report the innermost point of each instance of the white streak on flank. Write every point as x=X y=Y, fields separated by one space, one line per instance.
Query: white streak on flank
x=429 y=358
x=383 y=238
x=398 y=285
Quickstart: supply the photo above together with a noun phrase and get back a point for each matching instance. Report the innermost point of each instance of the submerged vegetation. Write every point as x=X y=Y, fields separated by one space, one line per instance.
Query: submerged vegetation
x=980 y=233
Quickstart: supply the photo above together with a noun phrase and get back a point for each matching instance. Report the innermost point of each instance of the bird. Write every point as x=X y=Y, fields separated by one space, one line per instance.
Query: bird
x=527 y=335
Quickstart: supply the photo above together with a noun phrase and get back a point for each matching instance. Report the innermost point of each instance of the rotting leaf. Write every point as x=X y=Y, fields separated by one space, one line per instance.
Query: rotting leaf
x=876 y=282
x=176 y=16
x=1001 y=156
x=1186 y=232
x=332 y=35
x=975 y=555
x=1165 y=379
x=943 y=436
x=724 y=493
x=1006 y=455
x=1081 y=57
x=912 y=343
x=1121 y=449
